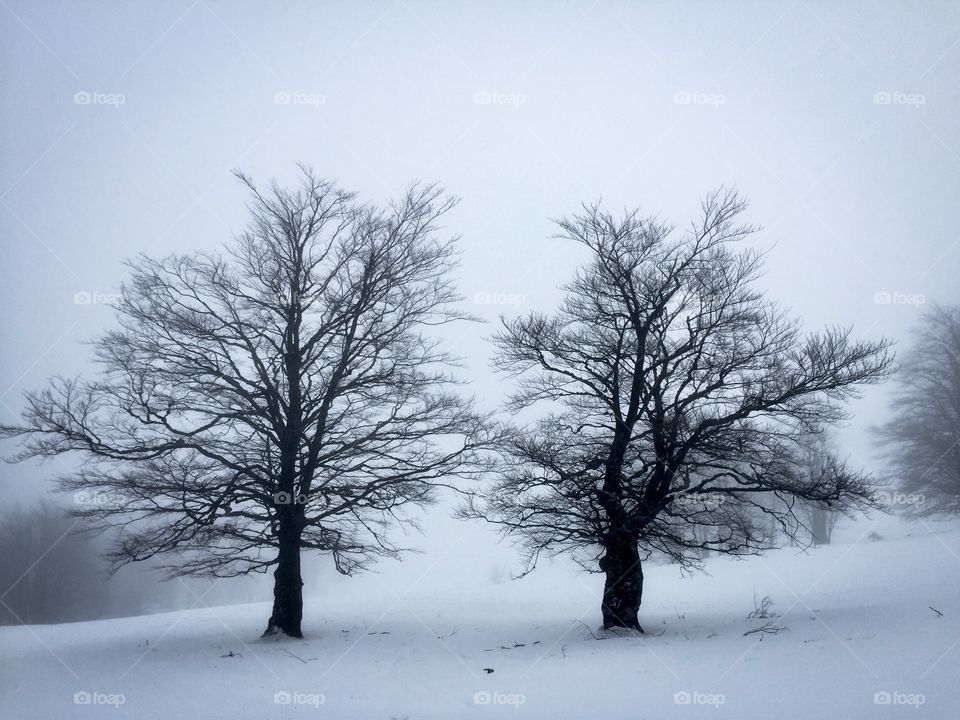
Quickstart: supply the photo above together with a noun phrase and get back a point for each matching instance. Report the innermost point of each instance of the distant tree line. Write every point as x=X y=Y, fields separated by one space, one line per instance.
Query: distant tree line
x=53 y=572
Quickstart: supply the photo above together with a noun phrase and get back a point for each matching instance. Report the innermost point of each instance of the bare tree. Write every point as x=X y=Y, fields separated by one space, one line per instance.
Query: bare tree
x=279 y=397
x=922 y=441
x=678 y=397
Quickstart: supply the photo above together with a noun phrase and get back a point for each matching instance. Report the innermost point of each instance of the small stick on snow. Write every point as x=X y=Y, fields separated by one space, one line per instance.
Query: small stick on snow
x=766 y=628
x=589 y=630
x=297 y=657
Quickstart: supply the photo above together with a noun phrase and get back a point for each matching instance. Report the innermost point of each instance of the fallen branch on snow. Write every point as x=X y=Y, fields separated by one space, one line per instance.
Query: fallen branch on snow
x=766 y=629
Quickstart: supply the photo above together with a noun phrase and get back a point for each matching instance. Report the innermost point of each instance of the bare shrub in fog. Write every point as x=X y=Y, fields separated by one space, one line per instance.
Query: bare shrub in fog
x=678 y=399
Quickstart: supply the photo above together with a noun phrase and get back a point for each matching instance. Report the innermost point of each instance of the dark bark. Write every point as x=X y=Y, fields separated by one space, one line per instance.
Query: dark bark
x=288 y=583
x=623 y=587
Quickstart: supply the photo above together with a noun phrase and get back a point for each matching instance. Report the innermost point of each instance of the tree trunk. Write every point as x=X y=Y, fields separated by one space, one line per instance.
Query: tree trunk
x=820 y=531
x=623 y=588
x=287 y=581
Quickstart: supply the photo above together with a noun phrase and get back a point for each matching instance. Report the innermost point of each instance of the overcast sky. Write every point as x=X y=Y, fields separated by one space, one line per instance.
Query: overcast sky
x=123 y=120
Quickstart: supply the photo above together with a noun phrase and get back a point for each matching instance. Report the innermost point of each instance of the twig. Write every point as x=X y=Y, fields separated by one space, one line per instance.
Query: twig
x=761 y=608
x=590 y=631
x=766 y=629
x=298 y=657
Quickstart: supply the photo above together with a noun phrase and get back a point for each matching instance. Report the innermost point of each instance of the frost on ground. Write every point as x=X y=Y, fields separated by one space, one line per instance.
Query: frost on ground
x=865 y=628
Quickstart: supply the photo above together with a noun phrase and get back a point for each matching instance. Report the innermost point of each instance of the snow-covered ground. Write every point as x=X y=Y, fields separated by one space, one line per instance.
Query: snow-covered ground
x=858 y=640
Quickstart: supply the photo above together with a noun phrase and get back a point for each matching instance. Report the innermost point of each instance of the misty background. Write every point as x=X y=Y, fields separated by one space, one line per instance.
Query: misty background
x=124 y=120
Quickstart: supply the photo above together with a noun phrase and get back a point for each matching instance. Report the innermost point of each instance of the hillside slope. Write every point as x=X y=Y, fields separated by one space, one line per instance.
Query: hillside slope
x=857 y=639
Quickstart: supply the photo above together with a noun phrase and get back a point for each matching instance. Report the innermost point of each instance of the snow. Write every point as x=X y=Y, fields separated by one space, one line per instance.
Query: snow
x=859 y=640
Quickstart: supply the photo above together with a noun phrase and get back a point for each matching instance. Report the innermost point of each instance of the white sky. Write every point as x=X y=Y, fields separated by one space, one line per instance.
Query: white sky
x=642 y=104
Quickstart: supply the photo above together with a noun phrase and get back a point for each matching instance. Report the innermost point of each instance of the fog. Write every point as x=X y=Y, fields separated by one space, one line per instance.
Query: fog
x=124 y=120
